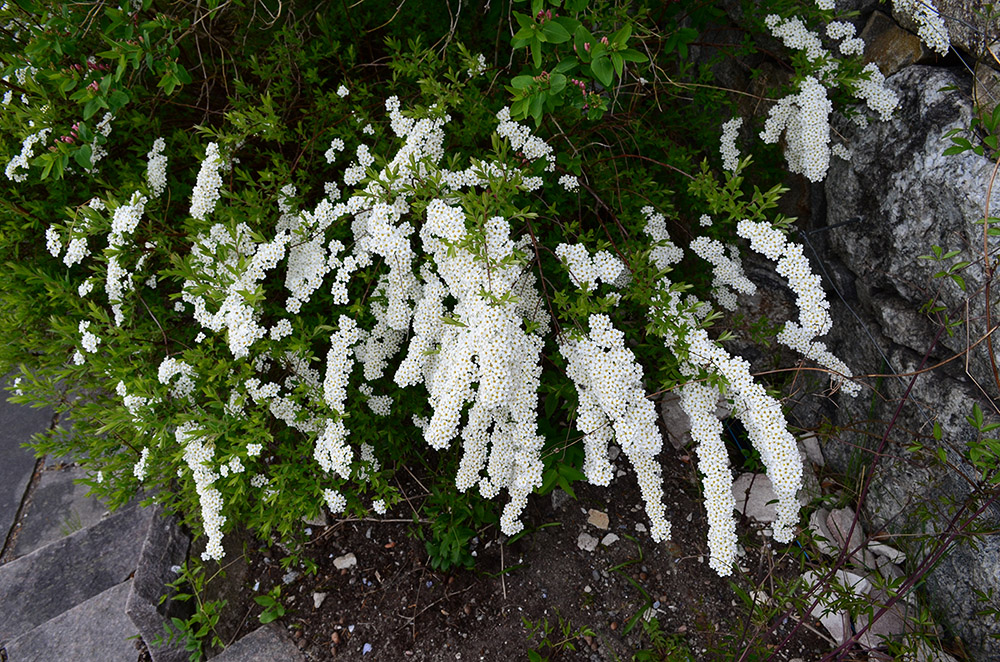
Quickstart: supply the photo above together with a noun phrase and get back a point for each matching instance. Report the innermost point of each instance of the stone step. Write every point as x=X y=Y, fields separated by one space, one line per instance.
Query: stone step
x=165 y=548
x=59 y=506
x=17 y=464
x=96 y=630
x=268 y=643
x=63 y=574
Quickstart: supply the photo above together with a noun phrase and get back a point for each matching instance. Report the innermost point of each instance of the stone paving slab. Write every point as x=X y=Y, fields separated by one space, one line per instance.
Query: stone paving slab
x=63 y=574
x=268 y=643
x=165 y=548
x=95 y=631
x=17 y=464
x=58 y=507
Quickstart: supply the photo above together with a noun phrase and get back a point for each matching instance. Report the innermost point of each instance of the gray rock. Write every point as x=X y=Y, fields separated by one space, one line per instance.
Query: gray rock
x=970 y=30
x=598 y=519
x=677 y=422
x=587 y=542
x=346 y=561
x=59 y=506
x=890 y=626
x=609 y=539
x=809 y=444
x=166 y=547
x=821 y=532
x=268 y=643
x=987 y=87
x=17 y=464
x=55 y=578
x=756 y=499
x=899 y=196
x=96 y=629
x=890 y=46
x=846 y=529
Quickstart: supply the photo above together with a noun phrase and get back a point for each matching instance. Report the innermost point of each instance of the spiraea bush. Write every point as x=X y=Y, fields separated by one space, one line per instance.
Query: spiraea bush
x=265 y=255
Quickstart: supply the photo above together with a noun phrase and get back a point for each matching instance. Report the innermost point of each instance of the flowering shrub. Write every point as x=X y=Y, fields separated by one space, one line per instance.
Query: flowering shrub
x=264 y=296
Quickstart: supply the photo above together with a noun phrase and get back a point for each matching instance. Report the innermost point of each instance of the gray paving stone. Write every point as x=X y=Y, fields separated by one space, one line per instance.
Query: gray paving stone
x=166 y=546
x=63 y=574
x=95 y=631
x=17 y=424
x=268 y=643
x=58 y=508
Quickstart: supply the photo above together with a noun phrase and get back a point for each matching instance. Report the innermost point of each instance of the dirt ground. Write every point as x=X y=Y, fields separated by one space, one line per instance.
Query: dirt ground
x=391 y=606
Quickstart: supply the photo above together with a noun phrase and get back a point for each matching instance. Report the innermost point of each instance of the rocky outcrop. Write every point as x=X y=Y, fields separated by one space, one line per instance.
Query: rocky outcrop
x=896 y=199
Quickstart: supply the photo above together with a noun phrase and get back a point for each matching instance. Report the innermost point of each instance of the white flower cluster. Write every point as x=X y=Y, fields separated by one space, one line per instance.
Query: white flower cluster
x=794 y=34
x=727 y=144
x=530 y=147
x=156 y=169
x=21 y=161
x=931 y=28
x=53 y=243
x=132 y=403
x=586 y=272
x=336 y=145
x=727 y=272
x=198 y=456
x=814 y=316
x=119 y=280
x=611 y=398
x=335 y=501
x=665 y=253
x=342 y=91
x=844 y=32
x=88 y=340
x=570 y=182
x=805 y=119
x=879 y=98
x=226 y=282
x=139 y=470
x=184 y=386
x=760 y=414
x=478 y=67
x=488 y=346
x=206 y=191
x=699 y=403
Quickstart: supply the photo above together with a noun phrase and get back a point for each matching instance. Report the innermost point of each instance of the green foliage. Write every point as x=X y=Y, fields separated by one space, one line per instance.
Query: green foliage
x=197 y=632
x=550 y=642
x=271 y=602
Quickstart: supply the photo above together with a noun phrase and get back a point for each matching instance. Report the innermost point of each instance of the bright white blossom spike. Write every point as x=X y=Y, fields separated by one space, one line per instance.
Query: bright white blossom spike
x=609 y=385
x=931 y=28
x=206 y=191
x=699 y=403
x=156 y=170
x=198 y=455
x=22 y=160
x=727 y=145
x=139 y=470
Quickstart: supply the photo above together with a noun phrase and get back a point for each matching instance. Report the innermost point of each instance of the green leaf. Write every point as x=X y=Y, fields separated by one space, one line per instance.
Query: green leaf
x=537 y=106
x=524 y=21
x=536 y=53
x=566 y=66
x=619 y=62
x=83 y=156
x=620 y=37
x=581 y=40
x=603 y=70
x=555 y=33
x=632 y=55
x=522 y=82
x=557 y=83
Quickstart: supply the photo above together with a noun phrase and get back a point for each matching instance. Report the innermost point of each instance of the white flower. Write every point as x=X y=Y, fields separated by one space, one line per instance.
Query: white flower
x=156 y=170
x=206 y=191
x=569 y=182
x=379 y=506
x=342 y=91
x=727 y=146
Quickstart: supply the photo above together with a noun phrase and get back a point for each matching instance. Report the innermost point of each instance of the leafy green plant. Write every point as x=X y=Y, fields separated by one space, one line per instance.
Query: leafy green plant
x=198 y=631
x=271 y=602
x=549 y=641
